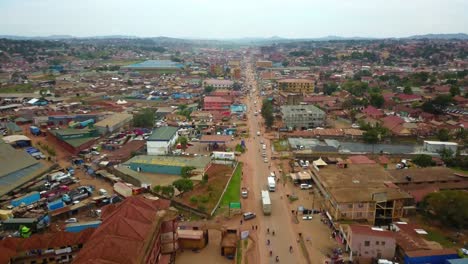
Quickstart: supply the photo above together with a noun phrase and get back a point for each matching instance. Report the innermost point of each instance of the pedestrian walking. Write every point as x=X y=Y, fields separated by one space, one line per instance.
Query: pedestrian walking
x=277 y=259
x=271 y=253
x=268 y=242
x=273 y=232
x=241 y=221
x=256 y=227
x=268 y=230
x=253 y=227
x=290 y=249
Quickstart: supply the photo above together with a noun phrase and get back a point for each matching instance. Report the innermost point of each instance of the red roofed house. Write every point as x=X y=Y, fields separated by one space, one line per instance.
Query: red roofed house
x=131 y=233
x=366 y=242
x=216 y=103
x=361 y=159
x=409 y=98
x=373 y=112
x=395 y=125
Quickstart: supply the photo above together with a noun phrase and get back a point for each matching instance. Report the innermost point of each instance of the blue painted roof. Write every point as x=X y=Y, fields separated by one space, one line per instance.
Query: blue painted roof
x=152 y=64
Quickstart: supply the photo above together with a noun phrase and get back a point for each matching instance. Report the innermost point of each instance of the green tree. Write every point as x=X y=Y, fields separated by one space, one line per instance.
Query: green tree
x=423 y=160
x=356 y=88
x=129 y=82
x=408 y=90
x=183 y=141
x=183 y=185
x=157 y=188
x=443 y=134
x=330 y=88
x=455 y=90
x=144 y=119
x=208 y=89
x=186 y=171
x=371 y=136
x=377 y=100
x=267 y=113
x=285 y=63
x=168 y=191
x=449 y=207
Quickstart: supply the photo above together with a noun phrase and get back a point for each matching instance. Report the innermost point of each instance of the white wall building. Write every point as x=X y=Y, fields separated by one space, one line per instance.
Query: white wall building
x=161 y=140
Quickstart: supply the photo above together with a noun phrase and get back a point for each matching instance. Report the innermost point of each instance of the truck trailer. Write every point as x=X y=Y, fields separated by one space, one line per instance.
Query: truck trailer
x=266 y=203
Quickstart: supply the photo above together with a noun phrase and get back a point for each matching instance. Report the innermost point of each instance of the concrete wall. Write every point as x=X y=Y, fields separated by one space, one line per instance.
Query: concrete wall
x=377 y=244
x=161 y=147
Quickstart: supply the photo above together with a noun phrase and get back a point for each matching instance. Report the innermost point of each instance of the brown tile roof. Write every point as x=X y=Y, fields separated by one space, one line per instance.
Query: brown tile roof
x=126 y=232
x=367 y=230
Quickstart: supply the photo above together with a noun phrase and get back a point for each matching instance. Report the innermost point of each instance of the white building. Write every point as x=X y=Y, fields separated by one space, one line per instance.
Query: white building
x=216 y=83
x=161 y=140
x=438 y=146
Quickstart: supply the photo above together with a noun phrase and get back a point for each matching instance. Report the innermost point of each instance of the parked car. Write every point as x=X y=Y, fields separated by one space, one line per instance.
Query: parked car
x=305 y=186
x=249 y=215
x=307 y=217
x=71 y=220
x=244 y=192
x=265 y=160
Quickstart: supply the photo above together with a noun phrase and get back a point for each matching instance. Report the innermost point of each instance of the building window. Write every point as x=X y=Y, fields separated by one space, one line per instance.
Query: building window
x=350 y=205
x=377 y=242
x=359 y=214
x=383 y=243
x=366 y=244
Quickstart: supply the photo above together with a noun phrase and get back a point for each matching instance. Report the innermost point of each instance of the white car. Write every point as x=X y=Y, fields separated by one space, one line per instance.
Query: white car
x=71 y=220
x=305 y=186
x=265 y=160
x=307 y=217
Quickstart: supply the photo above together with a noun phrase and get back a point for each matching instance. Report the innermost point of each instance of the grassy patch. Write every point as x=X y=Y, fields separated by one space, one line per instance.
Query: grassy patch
x=439 y=238
x=239 y=252
x=281 y=145
x=19 y=88
x=457 y=169
x=232 y=193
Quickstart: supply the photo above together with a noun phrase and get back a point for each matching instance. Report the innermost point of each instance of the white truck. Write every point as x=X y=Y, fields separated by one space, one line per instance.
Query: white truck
x=266 y=203
x=271 y=184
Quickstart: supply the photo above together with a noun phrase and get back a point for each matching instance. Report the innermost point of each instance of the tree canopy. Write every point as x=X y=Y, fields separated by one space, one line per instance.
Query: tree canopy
x=267 y=112
x=183 y=185
x=449 y=207
x=144 y=119
x=377 y=100
x=423 y=160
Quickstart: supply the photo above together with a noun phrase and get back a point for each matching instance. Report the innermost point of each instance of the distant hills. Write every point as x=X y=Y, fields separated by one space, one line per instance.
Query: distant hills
x=247 y=40
x=461 y=36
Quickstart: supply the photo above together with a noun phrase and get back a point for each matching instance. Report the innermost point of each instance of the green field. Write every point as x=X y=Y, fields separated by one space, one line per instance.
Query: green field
x=232 y=193
x=19 y=88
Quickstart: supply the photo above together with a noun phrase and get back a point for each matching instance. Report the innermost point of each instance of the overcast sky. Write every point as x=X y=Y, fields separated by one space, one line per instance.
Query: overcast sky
x=233 y=18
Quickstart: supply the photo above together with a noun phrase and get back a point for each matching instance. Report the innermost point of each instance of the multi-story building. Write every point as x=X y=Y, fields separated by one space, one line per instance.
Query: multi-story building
x=215 y=83
x=366 y=242
x=296 y=85
x=264 y=64
x=138 y=230
x=362 y=192
x=216 y=103
x=302 y=116
x=161 y=140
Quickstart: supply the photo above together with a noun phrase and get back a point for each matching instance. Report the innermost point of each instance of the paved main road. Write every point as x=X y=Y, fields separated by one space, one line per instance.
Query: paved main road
x=255 y=178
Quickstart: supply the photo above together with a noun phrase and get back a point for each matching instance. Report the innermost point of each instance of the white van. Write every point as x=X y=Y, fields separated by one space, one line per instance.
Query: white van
x=258 y=133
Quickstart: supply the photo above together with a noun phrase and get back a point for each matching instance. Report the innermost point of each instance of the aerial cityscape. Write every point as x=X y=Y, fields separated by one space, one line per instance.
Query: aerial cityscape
x=240 y=132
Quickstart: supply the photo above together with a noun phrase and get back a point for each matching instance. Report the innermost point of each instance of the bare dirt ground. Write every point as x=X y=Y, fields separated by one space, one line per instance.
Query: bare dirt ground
x=210 y=254
x=218 y=176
